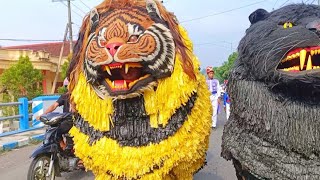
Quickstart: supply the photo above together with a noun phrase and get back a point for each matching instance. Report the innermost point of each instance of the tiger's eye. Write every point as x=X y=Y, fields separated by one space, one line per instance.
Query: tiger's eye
x=103 y=43
x=133 y=38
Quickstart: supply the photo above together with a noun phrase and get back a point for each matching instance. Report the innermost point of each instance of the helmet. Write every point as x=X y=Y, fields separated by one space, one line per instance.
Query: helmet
x=65 y=82
x=209 y=69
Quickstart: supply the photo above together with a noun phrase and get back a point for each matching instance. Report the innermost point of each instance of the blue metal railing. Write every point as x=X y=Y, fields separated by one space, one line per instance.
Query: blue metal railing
x=24 y=114
x=38 y=106
x=10 y=117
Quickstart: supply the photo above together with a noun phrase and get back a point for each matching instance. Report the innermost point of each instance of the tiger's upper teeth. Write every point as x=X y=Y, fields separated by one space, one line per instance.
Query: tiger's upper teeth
x=126 y=68
x=106 y=68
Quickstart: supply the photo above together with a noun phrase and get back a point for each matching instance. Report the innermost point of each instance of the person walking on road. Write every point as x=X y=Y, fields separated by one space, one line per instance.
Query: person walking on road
x=226 y=100
x=214 y=88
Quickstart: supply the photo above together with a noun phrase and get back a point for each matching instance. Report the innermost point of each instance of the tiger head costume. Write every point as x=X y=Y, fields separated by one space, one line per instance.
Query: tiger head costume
x=142 y=106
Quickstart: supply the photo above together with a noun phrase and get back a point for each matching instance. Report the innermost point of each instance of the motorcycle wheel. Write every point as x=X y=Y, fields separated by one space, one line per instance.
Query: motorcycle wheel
x=39 y=168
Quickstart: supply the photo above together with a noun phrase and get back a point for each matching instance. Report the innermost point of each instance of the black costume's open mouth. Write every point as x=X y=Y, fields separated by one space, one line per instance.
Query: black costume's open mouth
x=123 y=76
x=301 y=59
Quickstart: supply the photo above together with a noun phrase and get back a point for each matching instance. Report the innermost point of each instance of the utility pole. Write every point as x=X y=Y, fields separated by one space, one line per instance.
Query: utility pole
x=59 y=62
x=69 y=21
x=70 y=26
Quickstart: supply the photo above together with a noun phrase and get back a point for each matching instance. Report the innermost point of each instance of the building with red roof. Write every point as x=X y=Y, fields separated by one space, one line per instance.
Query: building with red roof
x=44 y=56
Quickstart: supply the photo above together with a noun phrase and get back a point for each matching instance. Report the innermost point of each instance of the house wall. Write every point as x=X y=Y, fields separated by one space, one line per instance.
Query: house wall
x=40 y=60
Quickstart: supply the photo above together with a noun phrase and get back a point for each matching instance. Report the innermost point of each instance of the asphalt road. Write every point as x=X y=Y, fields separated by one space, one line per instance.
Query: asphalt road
x=14 y=164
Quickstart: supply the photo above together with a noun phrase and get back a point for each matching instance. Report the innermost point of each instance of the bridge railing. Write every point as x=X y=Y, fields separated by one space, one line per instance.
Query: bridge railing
x=10 y=117
x=38 y=105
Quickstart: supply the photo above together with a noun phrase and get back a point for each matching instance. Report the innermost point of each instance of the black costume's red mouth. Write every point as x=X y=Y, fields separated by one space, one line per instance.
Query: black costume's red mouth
x=301 y=59
x=122 y=77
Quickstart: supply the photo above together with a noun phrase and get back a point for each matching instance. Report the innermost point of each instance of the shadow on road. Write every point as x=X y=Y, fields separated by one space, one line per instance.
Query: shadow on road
x=217 y=168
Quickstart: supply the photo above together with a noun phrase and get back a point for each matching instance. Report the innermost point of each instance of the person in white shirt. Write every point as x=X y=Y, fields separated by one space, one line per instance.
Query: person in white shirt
x=214 y=88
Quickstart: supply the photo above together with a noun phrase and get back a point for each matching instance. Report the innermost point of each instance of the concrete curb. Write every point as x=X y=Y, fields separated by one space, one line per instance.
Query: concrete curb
x=20 y=143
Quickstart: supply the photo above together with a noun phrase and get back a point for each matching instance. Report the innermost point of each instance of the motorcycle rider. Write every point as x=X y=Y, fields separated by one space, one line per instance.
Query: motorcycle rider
x=65 y=125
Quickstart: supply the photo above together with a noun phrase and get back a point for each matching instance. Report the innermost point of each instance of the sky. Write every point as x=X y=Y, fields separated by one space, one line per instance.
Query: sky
x=215 y=27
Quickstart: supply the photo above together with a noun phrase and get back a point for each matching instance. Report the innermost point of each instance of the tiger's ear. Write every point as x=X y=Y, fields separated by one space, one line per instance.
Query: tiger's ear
x=153 y=11
x=258 y=15
x=94 y=20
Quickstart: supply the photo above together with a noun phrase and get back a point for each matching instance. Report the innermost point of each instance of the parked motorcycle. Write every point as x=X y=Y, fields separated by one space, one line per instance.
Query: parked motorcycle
x=52 y=158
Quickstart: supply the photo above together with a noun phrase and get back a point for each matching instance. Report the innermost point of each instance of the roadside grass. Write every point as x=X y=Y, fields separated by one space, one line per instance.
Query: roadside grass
x=34 y=141
x=30 y=142
x=4 y=151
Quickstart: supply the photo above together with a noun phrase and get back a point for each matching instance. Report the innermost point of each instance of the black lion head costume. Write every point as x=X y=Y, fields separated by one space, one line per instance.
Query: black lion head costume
x=274 y=127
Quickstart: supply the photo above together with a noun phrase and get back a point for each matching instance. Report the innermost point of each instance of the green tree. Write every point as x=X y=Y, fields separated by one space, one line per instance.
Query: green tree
x=64 y=69
x=217 y=74
x=223 y=71
x=63 y=74
x=22 y=80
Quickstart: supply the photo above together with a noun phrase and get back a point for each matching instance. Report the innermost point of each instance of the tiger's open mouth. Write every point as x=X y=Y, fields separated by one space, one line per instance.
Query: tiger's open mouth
x=301 y=59
x=123 y=76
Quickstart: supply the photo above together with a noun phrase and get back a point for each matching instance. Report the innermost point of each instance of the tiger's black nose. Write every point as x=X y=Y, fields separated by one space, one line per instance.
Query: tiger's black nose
x=314 y=25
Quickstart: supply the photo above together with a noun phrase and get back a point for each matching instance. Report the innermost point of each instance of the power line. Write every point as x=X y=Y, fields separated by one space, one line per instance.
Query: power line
x=72 y=10
x=75 y=13
x=85 y=5
x=78 y=8
x=214 y=44
x=31 y=40
x=284 y=3
x=202 y=17
x=77 y=25
x=274 y=4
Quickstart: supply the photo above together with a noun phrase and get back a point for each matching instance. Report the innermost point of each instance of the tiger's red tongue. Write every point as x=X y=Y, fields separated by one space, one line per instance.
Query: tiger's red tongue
x=131 y=75
x=120 y=85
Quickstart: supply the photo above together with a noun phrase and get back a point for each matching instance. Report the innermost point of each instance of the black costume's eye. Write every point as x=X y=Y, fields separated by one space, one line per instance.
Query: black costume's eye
x=287 y=25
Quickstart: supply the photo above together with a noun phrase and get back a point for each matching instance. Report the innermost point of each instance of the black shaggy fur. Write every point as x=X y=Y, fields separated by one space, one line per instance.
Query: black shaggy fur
x=274 y=128
x=132 y=124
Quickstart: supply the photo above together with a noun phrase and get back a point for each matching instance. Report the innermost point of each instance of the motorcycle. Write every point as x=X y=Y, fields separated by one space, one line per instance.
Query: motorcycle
x=51 y=158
